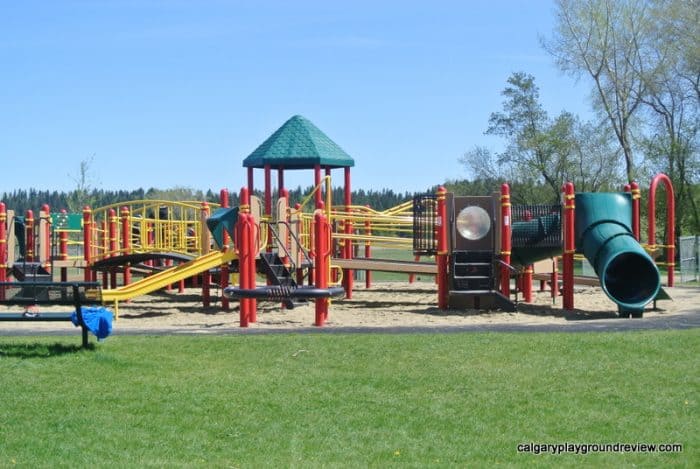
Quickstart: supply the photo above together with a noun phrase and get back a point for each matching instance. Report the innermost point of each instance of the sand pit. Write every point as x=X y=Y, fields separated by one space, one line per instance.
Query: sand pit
x=385 y=305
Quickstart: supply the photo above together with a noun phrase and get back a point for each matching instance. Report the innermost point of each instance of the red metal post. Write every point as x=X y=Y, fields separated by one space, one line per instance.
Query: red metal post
x=442 y=254
x=505 y=238
x=636 y=212
x=670 y=223
x=251 y=187
x=206 y=275
x=104 y=244
x=268 y=190
x=526 y=278
x=569 y=246
x=3 y=248
x=87 y=241
x=268 y=205
x=224 y=271
x=242 y=234
x=249 y=248
x=126 y=241
x=63 y=249
x=113 y=247
x=555 y=278
x=322 y=259
x=317 y=181
x=368 y=253
x=253 y=243
x=280 y=181
x=29 y=234
x=348 y=274
x=45 y=241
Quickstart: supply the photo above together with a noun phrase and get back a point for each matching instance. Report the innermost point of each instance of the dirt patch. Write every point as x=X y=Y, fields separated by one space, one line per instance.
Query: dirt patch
x=384 y=305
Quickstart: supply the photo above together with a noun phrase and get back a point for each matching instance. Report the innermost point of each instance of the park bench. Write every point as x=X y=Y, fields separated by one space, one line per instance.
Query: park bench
x=32 y=295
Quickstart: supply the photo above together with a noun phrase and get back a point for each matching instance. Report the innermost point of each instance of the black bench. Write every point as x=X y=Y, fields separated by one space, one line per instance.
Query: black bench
x=29 y=294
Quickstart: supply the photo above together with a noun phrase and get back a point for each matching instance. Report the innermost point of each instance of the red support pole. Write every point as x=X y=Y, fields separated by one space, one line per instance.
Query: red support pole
x=505 y=239
x=242 y=233
x=104 y=244
x=29 y=234
x=670 y=223
x=253 y=250
x=250 y=180
x=321 y=264
x=113 y=247
x=368 y=253
x=555 y=278
x=317 y=181
x=636 y=212
x=126 y=241
x=63 y=249
x=268 y=190
x=526 y=279
x=248 y=248
x=442 y=254
x=87 y=241
x=348 y=274
x=569 y=246
x=268 y=204
x=3 y=248
x=280 y=181
x=45 y=243
x=206 y=275
x=224 y=271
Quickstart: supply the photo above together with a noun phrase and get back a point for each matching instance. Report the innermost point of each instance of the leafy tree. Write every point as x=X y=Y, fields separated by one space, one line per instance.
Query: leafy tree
x=542 y=153
x=671 y=71
x=602 y=39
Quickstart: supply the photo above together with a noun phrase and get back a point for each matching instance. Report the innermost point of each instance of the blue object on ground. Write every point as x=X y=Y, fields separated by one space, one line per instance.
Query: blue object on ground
x=97 y=319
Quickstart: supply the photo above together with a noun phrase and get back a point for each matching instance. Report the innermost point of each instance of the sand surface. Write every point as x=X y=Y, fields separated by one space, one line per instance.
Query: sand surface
x=384 y=305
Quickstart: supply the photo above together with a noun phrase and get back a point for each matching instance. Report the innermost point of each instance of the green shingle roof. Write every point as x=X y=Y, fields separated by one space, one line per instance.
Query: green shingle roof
x=298 y=144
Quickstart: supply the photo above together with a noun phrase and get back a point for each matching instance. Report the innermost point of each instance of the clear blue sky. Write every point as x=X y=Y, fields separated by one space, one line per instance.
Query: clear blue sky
x=171 y=93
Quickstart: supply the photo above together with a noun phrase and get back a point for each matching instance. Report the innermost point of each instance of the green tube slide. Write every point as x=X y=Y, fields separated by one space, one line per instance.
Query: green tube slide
x=627 y=274
x=529 y=239
x=223 y=219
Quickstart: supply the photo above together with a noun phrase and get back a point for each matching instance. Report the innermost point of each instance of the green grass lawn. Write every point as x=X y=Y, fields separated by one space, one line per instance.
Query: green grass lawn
x=379 y=400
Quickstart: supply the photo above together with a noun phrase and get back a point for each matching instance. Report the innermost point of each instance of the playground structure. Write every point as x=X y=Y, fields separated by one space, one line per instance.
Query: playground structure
x=476 y=261
x=480 y=249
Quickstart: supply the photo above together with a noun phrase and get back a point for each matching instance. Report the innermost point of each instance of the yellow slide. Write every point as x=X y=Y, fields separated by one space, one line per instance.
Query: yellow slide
x=169 y=276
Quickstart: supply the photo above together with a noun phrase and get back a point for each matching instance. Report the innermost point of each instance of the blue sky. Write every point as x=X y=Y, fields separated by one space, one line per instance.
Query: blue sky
x=171 y=93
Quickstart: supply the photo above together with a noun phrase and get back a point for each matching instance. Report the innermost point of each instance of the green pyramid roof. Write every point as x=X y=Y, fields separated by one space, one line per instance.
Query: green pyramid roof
x=298 y=144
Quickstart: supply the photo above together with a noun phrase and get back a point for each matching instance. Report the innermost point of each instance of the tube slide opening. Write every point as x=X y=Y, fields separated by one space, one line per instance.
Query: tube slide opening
x=631 y=279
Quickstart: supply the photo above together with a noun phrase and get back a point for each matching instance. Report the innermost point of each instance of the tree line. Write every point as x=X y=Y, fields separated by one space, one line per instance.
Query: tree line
x=73 y=201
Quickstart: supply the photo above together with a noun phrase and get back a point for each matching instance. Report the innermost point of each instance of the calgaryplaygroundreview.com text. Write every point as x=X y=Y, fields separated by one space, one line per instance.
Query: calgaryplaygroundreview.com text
x=586 y=448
